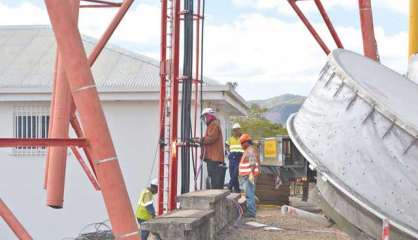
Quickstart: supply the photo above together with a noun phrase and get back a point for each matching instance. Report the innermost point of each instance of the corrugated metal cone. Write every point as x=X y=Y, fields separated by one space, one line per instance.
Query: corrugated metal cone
x=359 y=128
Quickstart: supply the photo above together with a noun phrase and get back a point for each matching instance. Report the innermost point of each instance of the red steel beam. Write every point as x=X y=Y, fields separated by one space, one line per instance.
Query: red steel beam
x=61 y=121
x=125 y=5
x=97 y=6
x=102 y=43
x=86 y=169
x=196 y=85
x=13 y=222
x=116 y=4
x=42 y=142
x=79 y=133
x=59 y=129
x=367 y=30
x=163 y=75
x=92 y=59
x=109 y=31
x=172 y=193
x=92 y=117
x=329 y=23
x=197 y=61
x=51 y=112
x=309 y=26
x=104 y=39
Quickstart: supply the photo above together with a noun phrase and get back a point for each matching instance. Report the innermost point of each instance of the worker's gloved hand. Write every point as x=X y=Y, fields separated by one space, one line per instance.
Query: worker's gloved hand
x=222 y=165
x=197 y=140
x=251 y=178
x=194 y=142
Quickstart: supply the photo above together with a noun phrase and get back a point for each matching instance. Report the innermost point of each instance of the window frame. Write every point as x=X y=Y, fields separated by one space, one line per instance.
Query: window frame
x=30 y=121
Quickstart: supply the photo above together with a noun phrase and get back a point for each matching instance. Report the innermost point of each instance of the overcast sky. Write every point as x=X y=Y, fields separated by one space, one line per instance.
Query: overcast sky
x=260 y=44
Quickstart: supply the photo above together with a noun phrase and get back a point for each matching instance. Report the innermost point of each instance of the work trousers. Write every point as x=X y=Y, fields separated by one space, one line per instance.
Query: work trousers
x=234 y=159
x=216 y=174
x=249 y=189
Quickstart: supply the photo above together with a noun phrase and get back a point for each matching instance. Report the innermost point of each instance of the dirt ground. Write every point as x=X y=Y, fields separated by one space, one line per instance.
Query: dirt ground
x=293 y=228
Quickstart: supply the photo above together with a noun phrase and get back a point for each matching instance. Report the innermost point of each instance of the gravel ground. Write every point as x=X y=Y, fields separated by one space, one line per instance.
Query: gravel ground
x=294 y=228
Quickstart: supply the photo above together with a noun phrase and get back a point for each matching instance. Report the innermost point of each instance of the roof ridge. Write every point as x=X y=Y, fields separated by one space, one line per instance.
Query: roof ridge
x=109 y=46
x=37 y=26
x=152 y=64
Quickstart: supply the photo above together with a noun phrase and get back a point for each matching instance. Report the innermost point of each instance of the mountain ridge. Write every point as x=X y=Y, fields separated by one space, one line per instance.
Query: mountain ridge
x=279 y=108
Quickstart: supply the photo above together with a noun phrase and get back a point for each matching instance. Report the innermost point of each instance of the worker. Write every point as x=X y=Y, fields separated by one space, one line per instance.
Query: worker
x=248 y=171
x=213 y=150
x=235 y=152
x=145 y=208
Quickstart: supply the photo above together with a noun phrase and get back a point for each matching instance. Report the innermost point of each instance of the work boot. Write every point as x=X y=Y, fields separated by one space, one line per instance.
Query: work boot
x=249 y=216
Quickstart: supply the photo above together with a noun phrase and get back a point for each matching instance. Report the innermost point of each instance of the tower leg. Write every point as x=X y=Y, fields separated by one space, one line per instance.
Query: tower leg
x=92 y=118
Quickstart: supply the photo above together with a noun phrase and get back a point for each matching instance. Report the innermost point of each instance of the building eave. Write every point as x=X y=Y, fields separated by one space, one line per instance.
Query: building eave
x=220 y=93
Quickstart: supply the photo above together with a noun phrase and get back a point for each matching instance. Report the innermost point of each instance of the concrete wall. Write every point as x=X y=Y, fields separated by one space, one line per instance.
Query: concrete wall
x=134 y=128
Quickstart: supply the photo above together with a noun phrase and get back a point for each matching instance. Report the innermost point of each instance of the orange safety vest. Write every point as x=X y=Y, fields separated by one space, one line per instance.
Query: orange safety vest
x=244 y=165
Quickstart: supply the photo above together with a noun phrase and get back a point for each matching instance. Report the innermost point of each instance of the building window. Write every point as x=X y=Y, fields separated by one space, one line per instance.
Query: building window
x=30 y=122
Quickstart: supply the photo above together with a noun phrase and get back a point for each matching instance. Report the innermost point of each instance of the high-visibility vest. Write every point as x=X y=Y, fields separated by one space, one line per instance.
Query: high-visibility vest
x=244 y=165
x=234 y=145
x=144 y=200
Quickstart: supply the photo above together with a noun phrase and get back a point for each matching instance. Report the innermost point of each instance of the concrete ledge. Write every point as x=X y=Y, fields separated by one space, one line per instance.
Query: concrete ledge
x=233 y=197
x=201 y=216
x=201 y=199
x=181 y=224
x=215 y=200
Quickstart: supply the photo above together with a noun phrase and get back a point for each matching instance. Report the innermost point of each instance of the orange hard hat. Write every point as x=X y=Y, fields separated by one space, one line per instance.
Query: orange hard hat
x=244 y=138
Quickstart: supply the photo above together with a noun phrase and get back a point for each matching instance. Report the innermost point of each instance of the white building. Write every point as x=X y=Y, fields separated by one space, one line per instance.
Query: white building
x=129 y=89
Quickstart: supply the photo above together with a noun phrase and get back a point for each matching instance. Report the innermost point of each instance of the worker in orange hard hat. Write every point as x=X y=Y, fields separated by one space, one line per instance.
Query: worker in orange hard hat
x=248 y=170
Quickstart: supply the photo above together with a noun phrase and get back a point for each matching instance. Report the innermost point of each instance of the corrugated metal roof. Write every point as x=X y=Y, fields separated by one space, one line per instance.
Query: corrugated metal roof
x=27 y=59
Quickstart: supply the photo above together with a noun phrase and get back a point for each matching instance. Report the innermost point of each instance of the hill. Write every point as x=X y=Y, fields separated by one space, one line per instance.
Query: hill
x=281 y=107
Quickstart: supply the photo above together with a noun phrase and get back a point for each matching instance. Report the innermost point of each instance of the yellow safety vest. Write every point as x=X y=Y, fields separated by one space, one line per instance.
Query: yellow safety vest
x=144 y=200
x=234 y=145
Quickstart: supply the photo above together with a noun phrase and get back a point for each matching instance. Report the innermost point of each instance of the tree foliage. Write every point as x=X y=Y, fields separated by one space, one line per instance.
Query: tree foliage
x=258 y=126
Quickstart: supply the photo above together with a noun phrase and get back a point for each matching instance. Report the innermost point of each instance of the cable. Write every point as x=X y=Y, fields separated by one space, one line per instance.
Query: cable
x=199 y=169
x=186 y=95
x=237 y=221
x=101 y=231
x=201 y=81
x=153 y=162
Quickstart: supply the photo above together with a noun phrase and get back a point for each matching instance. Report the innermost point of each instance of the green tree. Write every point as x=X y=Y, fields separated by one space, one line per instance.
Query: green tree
x=257 y=125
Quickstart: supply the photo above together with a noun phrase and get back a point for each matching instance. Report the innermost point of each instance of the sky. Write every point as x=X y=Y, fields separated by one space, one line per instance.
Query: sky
x=259 y=44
